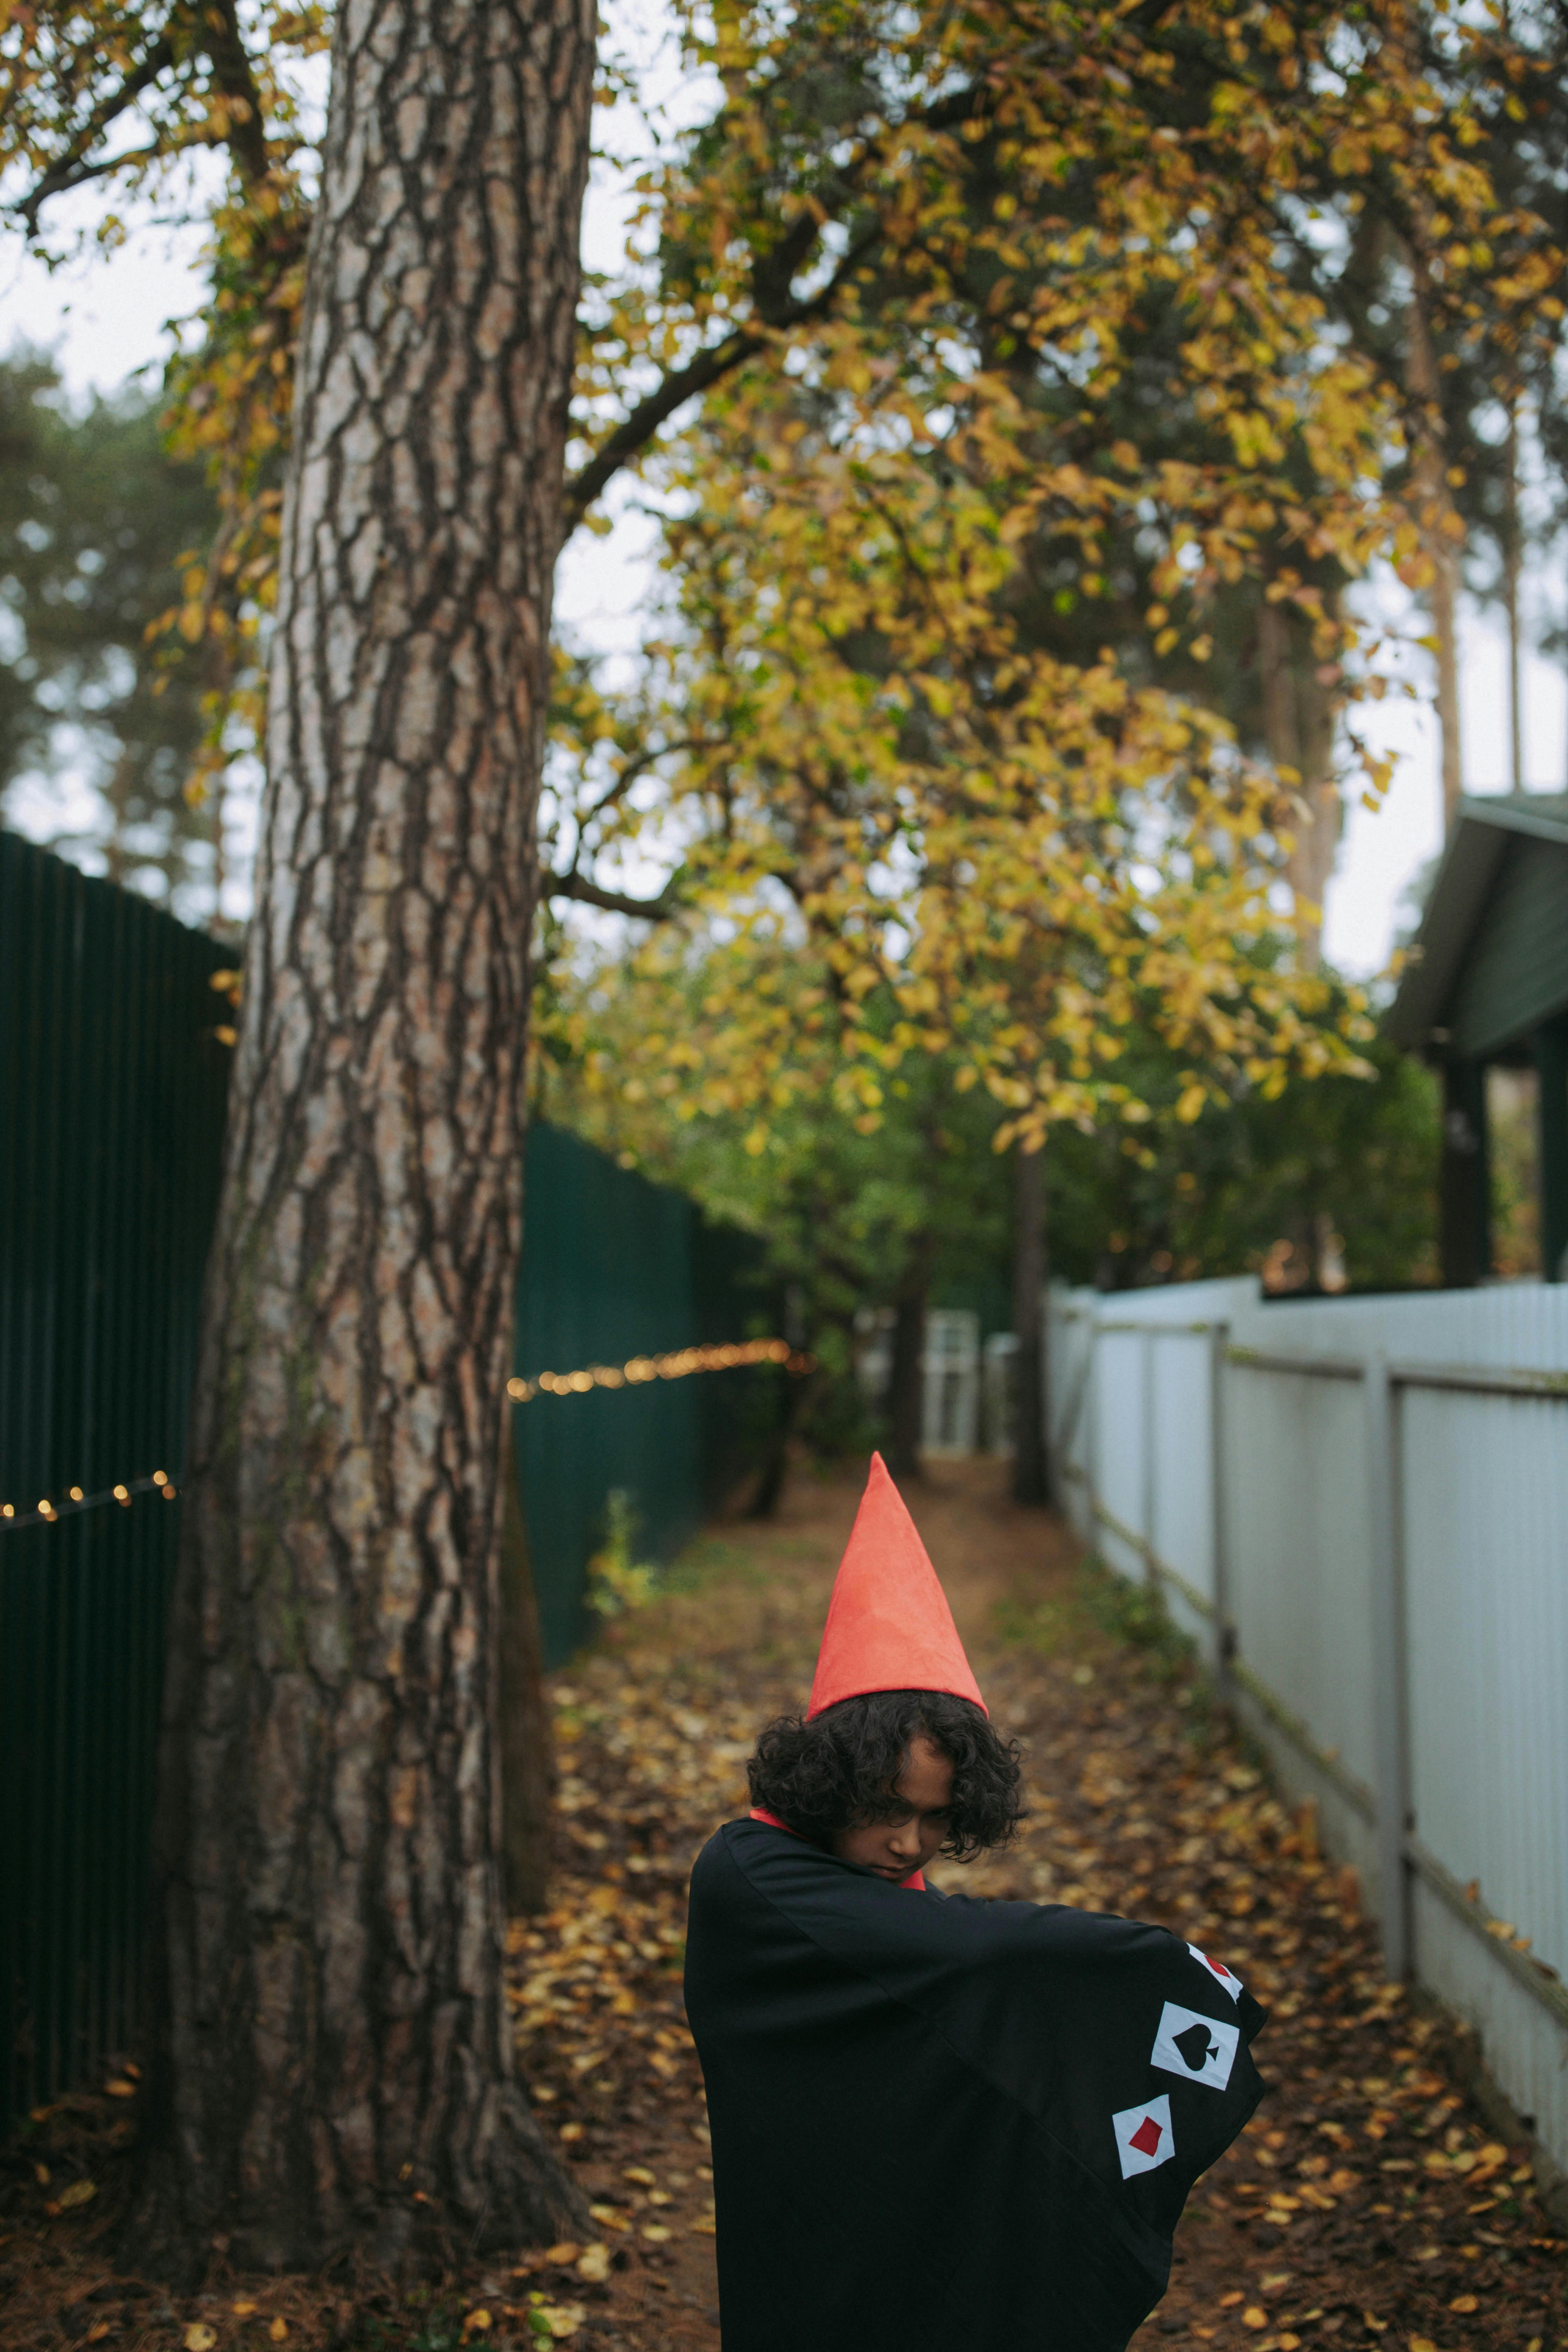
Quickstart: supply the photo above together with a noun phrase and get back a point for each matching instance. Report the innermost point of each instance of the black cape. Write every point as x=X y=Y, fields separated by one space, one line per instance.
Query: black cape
x=939 y=2121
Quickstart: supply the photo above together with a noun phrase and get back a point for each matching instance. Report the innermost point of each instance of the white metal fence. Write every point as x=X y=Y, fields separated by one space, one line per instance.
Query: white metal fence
x=950 y=1374
x=1359 y=1507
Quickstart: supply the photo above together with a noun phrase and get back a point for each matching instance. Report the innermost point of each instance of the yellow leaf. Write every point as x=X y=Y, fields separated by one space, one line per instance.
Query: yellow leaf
x=117 y=2087
x=198 y=2336
x=79 y=2193
x=278 y=2331
x=593 y=2265
x=655 y=2233
x=242 y=2310
x=1254 y=2316
x=1465 y=2302
x=477 y=2322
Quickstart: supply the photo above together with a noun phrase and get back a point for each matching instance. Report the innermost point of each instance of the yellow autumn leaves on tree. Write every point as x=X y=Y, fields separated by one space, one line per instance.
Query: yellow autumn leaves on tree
x=1062 y=374
x=995 y=376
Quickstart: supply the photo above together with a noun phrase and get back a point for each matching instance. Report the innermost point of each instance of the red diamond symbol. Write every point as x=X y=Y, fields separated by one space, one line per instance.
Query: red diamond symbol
x=1146 y=2138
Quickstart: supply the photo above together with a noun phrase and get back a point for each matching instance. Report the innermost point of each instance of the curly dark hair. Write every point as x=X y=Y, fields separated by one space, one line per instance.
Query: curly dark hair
x=838 y=1770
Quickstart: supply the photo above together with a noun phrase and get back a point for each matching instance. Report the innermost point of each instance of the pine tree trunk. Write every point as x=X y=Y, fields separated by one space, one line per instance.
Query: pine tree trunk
x=1512 y=555
x=1299 y=719
x=1031 y=1469
x=331 y=2037
x=1442 y=539
x=906 y=1382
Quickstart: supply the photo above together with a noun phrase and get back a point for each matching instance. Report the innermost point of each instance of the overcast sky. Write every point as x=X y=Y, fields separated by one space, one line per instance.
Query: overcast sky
x=105 y=319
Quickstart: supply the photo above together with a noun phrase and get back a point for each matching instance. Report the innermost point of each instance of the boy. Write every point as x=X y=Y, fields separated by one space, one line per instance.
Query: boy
x=936 y=2122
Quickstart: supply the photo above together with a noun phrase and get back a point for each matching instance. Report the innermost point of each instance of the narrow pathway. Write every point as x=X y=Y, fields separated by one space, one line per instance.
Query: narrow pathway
x=1368 y=2202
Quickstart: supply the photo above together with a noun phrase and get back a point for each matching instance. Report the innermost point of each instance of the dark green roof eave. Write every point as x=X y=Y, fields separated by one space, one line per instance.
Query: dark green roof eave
x=1470 y=860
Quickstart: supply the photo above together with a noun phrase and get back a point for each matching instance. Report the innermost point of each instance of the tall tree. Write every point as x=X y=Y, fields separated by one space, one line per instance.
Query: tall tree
x=330 y=1968
x=1031 y=1461
x=333 y=2041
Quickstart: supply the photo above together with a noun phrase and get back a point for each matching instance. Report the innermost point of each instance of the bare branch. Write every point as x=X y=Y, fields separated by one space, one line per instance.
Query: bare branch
x=73 y=168
x=636 y=430
x=232 y=72
x=614 y=902
x=637 y=766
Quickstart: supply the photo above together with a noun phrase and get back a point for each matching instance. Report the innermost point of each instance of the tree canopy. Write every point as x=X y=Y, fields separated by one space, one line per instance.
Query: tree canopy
x=1022 y=389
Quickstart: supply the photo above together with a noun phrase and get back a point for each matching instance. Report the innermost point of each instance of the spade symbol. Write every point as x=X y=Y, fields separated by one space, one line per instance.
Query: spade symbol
x=1195 y=2047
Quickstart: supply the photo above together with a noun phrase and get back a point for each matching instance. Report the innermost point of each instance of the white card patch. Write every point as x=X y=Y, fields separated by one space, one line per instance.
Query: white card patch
x=1218 y=1969
x=1143 y=2136
x=1198 y=2049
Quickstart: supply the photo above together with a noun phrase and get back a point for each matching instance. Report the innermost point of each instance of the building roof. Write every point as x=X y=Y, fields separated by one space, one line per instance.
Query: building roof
x=1490 y=959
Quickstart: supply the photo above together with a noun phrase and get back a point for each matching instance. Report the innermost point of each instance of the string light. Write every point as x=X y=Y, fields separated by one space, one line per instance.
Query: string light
x=633 y=1374
x=676 y=1366
x=49 y=1512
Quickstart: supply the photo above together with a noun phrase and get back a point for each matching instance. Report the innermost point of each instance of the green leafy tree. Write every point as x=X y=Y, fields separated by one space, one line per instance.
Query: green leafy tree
x=877 y=1211
x=1333 y=1178
x=95 y=517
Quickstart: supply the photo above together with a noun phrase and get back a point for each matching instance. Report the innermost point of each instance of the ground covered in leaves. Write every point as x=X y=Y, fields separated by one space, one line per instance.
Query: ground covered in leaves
x=1369 y=2201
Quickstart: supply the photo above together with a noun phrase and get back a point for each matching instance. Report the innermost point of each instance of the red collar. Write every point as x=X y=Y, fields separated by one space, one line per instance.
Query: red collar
x=915 y=1882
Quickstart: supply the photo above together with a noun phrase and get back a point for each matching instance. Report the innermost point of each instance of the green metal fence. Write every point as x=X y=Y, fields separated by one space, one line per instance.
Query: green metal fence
x=113 y=1085
x=113 y=1088
x=615 y=1267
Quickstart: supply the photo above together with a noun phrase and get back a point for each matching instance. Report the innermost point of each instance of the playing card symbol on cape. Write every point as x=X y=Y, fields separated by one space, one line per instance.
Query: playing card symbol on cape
x=943 y=2121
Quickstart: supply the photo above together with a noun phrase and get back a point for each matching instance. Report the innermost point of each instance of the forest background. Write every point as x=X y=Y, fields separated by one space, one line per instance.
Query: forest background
x=101 y=509
x=1021 y=405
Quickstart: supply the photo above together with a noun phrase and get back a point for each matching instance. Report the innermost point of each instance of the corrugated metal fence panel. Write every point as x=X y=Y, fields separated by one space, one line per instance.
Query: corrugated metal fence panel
x=114 y=1086
x=613 y=1267
x=1300 y=1590
x=1481 y=1520
x=1520 y=1323
x=1070 y=1353
x=1180 y=1486
x=1119 y=1420
x=1486 y=1546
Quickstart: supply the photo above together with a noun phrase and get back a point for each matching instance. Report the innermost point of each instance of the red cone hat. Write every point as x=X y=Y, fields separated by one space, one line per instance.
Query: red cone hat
x=888 y=1625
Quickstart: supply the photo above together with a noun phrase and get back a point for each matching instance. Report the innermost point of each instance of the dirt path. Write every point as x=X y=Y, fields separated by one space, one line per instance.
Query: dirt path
x=1367 y=2203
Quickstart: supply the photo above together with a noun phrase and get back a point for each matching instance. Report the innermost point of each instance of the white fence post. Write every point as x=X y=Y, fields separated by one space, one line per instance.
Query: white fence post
x=1147 y=1505
x=1224 y=1625
x=1091 y=1426
x=1389 y=1660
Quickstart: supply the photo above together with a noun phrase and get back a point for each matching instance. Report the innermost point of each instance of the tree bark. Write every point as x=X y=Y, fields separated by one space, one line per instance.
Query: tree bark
x=1031 y=1468
x=331 y=2034
x=1512 y=560
x=906 y=1382
x=768 y=1493
x=1299 y=716
x=527 y=1752
x=1442 y=542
